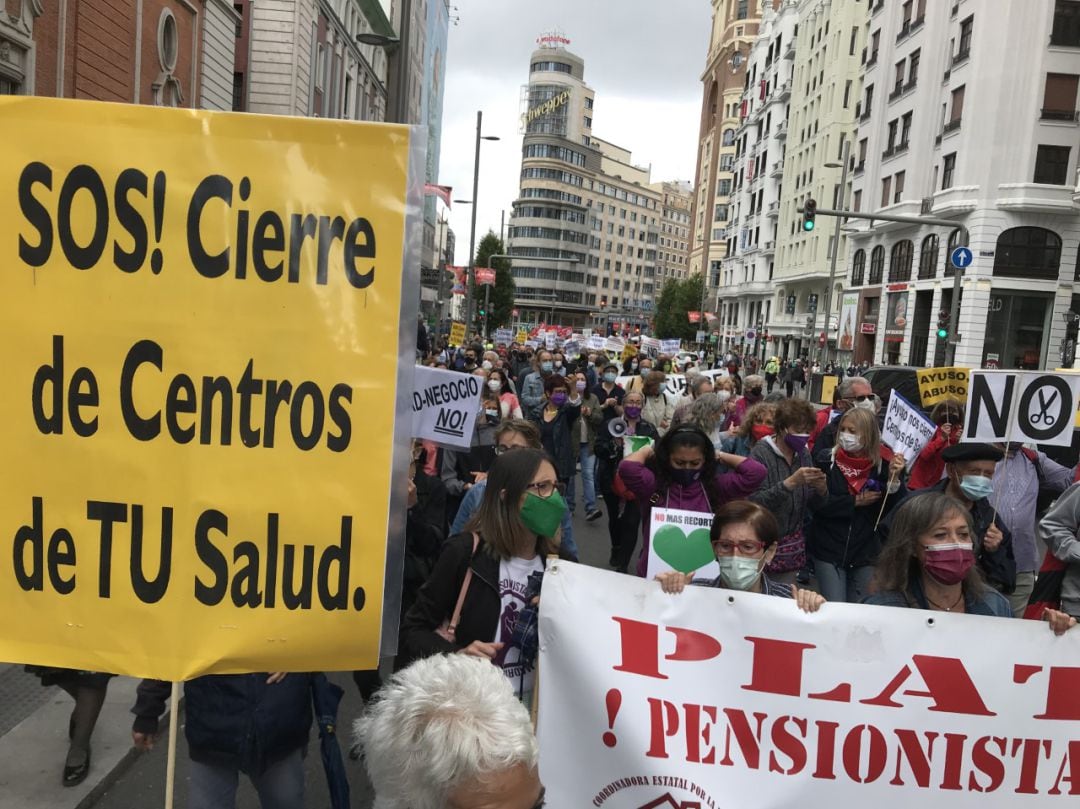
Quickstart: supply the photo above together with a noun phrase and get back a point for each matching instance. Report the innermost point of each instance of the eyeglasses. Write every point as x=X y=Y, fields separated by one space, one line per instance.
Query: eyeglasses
x=501 y=448
x=543 y=488
x=869 y=397
x=746 y=547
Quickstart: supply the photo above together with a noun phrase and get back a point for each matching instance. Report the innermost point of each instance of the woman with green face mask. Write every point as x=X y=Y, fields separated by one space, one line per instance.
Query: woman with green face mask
x=744 y=539
x=485 y=577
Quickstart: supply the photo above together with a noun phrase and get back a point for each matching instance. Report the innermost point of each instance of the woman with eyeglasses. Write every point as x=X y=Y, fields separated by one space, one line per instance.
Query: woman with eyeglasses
x=863 y=488
x=744 y=539
x=486 y=569
x=512 y=434
x=929 y=467
x=684 y=471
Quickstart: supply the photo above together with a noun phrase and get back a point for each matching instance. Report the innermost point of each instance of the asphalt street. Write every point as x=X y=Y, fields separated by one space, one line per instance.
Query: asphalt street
x=143 y=783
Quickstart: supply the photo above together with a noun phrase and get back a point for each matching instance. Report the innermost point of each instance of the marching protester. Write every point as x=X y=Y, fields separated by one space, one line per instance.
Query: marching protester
x=752 y=395
x=1021 y=482
x=447 y=732
x=499 y=384
x=793 y=485
x=757 y=423
x=853 y=392
x=483 y=581
x=929 y=467
x=512 y=434
x=609 y=393
x=682 y=472
x=255 y=724
x=862 y=486
x=744 y=538
x=623 y=509
x=556 y=422
x=969 y=473
x=659 y=404
x=707 y=413
x=1059 y=530
x=584 y=432
x=772 y=370
x=87 y=689
x=460 y=470
x=697 y=385
x=531 y=387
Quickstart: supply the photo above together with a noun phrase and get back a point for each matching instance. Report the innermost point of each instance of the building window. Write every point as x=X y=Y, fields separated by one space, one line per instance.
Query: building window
x=877 y=264
x=964 y=50
x=238 y=92
x=892 y=138
x=948 y=168
x=900 y=261
x=239 y=9
x=954 y=242
x=957 y=110
x=847 y=93
x=928 y=257
x=875 y=44
x=905 y=130
x=868 y=102
x=1066 y=31
x=1059 y=97
x=913 y=68
x=742 y=9
x=886 y=191
x=723 y=188
x=856 y=201
x=898 y=186
x=858 y=268
x=1052 y=165
x=1028 y=253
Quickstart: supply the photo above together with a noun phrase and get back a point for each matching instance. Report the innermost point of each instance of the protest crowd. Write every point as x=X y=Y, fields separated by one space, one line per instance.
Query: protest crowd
x=800 y=503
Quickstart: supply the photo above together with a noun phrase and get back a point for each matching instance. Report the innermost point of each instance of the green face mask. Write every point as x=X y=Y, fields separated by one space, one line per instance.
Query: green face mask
x=543 y=515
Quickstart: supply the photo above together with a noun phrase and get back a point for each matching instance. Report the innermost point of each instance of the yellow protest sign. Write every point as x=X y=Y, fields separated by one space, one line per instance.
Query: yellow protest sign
x=199 y=414
x=629 y=350
x=938 y=384
x=522 y=336
x=457 y=333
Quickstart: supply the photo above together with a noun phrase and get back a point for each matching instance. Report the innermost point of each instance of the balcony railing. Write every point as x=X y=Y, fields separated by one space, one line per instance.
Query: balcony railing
x=905 y=29
x=951 y=126
x=961 y=57
x=1060 y=115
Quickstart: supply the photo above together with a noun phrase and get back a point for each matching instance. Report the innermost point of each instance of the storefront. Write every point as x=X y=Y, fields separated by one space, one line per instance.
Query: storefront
x=1016 y=330
x=866 y=340
x=896 y=318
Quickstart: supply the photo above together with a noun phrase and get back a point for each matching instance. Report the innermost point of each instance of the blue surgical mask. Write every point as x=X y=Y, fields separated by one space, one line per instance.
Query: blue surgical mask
x=976 y=487
x=609 y=378
x=547 y=367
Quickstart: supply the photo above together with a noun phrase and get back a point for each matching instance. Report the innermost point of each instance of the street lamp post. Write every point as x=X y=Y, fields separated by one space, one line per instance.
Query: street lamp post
x=470 y=272
x=823 y=351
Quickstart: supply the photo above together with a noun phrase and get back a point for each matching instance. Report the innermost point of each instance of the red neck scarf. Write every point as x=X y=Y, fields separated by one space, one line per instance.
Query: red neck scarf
x=856 y=470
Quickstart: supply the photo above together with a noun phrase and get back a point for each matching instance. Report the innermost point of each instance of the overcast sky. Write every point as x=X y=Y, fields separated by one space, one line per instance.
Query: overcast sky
x=643 y=58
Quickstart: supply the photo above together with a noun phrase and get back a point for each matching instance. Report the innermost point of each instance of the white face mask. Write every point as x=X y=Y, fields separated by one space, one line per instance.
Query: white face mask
x=495 y=385
x=723 y=395
x=867 y=404
x=486 y=365
x=849 y=442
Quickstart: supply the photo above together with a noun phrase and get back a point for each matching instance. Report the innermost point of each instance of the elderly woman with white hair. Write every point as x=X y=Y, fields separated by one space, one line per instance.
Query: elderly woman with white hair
x=448 y=733
x=752 y=395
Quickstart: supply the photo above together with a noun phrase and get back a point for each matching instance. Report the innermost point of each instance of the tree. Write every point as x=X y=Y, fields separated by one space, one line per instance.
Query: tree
x=501 y=299
x=677 y=299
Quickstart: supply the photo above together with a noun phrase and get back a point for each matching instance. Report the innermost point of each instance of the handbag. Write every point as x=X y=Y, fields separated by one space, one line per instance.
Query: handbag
x=447 y=630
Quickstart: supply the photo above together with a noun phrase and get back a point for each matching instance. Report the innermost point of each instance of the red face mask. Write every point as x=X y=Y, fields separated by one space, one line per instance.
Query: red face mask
x=759 y=431
x=949 y=563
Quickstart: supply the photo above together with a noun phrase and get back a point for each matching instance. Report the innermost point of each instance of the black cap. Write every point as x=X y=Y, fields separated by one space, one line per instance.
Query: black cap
x=973 y=451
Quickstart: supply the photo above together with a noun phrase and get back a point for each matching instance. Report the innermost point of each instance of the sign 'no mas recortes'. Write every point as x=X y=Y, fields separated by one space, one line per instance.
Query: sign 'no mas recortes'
x=193 y=304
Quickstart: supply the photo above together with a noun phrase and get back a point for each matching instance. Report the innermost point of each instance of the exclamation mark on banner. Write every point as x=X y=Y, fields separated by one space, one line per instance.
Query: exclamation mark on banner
x=156 y=258
x=614 y=702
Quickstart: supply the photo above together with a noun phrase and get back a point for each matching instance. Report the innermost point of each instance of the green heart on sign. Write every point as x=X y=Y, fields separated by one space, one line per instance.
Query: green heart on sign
x=684 y=553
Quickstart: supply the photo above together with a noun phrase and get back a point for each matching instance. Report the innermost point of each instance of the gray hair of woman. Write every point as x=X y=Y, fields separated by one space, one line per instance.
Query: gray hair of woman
x=706 y=412
x=753 y=381
x=443 y=728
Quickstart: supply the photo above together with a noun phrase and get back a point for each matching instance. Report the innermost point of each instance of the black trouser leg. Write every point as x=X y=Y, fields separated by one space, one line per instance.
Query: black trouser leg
x=612 y=502
x=629 y=525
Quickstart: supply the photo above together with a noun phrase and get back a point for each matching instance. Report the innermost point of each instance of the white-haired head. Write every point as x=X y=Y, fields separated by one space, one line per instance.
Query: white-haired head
x=444 y=721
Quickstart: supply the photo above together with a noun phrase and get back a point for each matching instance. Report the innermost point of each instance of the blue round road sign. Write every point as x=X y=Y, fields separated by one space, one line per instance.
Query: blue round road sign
x=961 y=257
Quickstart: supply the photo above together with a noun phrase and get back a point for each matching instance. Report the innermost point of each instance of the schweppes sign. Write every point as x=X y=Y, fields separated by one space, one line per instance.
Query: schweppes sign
x=545 y=108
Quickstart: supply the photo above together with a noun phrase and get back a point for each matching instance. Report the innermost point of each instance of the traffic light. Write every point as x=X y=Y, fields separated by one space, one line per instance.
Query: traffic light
x=809 y=212
x=943 y=324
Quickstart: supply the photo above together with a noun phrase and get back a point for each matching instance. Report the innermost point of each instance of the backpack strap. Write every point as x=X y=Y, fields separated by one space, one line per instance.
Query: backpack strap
x=455 y=619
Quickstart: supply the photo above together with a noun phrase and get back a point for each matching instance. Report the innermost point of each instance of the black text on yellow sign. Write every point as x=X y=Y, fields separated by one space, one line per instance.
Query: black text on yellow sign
x=194 y=310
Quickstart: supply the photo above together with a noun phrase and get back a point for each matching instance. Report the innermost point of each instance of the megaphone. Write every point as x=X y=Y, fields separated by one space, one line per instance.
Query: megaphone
x=617 y=427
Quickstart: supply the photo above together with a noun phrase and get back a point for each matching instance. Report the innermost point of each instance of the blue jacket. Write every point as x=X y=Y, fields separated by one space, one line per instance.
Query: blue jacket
x=471 y=503
x=234 y=720
x=990 y=602
x=532 y=394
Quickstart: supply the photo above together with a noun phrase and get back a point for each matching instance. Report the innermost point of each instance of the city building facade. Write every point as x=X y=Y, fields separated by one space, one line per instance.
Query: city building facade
x=824 y=92
x=585 y=229
x=673 y=241
x=945 y=131
x=735 y=25
x=747 y=270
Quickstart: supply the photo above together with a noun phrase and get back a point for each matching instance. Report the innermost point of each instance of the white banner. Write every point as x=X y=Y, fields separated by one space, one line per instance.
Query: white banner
x=675 y=384
x=616 y=344
x=906 y=429
x=679 y=540
x=504 y=336
x=670 y=347
x=445 y=406
x=597 y=342
x=722 y=699
x=1029 y=406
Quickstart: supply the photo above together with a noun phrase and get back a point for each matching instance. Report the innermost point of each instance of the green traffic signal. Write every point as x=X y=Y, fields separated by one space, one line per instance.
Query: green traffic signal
x=942 y=333
x=809 y=212
x=808 y=225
